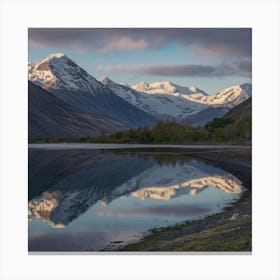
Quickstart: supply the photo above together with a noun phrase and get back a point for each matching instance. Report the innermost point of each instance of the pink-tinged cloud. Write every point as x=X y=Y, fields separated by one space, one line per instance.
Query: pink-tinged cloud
x=242 y=69
x=220 y=42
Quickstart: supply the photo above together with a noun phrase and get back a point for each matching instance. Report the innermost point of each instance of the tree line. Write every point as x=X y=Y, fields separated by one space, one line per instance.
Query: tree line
x=223 y=129
x=217 y=130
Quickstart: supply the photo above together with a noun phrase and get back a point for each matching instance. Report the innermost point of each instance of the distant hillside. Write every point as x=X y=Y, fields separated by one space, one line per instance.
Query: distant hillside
x=187 y=105
x=50 y=117
x=236 y=125
x=240 y=111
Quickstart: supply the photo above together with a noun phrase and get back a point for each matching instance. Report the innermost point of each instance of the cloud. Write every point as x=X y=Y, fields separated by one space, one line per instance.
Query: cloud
x=221 y=42
x=241 y=69
x=124 y=44
x=165 y=70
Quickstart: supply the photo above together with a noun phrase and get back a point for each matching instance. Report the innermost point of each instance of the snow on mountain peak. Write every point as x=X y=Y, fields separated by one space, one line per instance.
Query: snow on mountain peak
x=162 y=87
x=228 y=97
x=193 y=88
x=58 y=72
x=166 y=87
x=108 y=82
x=141 y=86
x=105 y=80
x=125 y=84
x=54 y=55
x=155 y=87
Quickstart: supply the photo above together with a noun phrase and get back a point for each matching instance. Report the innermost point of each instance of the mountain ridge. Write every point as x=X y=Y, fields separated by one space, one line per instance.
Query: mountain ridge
x=123 y=106
x=72 y=84
x=165 y=102
x=50 y=117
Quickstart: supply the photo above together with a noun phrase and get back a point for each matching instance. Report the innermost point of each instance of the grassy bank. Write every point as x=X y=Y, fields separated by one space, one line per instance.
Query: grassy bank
x=226 y=231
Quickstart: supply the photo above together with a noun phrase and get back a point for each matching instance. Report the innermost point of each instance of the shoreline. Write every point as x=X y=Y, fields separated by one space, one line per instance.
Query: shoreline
x=227 y=231
x=130 y=146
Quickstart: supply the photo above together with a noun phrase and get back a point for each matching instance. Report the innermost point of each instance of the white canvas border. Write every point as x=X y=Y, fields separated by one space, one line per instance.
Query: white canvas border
x=262 y=16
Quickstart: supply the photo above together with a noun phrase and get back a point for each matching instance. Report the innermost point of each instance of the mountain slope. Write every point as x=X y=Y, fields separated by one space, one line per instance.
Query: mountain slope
x=220 y=104
x=167 y=87
x=240 y=111
x=242 y=116
x=204 y=116
x=72 y=84
x=189 y=105
x=228 y=97
x=163 y=106
x=50 y=117
x=236 y=125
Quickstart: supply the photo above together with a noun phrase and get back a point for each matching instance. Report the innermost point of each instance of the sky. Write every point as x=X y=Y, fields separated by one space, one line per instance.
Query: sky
x=208 y=58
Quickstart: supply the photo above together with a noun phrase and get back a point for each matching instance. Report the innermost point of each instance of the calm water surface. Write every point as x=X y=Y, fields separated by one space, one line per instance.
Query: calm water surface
x=84 y=200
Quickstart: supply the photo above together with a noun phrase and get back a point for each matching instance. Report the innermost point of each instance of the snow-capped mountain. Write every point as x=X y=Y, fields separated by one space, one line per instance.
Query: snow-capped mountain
x=69 y=82
x=165 y=100
x=228 y=97
x=161 y=105
x=131 y=106
x=57 y=72
x=166 y=87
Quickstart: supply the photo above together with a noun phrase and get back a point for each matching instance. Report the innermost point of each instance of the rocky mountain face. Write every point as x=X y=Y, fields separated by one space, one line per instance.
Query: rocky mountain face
x=67 y=81
x=49 y=116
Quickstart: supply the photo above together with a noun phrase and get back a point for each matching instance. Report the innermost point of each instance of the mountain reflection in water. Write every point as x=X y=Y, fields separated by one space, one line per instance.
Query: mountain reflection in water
x=110 y=192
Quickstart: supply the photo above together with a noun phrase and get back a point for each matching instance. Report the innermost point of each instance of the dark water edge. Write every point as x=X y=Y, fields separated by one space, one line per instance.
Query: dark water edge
x=228 y=231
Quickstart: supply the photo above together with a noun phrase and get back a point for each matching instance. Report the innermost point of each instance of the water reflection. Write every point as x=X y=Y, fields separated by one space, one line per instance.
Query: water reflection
x=104 y=195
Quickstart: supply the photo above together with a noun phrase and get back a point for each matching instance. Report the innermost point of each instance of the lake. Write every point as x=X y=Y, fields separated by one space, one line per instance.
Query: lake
x=92 y=199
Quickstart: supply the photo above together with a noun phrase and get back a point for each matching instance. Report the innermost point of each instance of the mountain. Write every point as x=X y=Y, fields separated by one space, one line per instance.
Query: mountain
x=228 y=97
x=236 y=125
x=167 y=87
x=72 y=84
x=241 y=111
x=51 y=117
x=163 y=106
x=242 y=116
x=219 y=104
x=204 y=116
x=168 y=101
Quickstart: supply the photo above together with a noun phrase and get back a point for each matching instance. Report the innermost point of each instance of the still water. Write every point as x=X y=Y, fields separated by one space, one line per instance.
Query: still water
x=90 y=200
